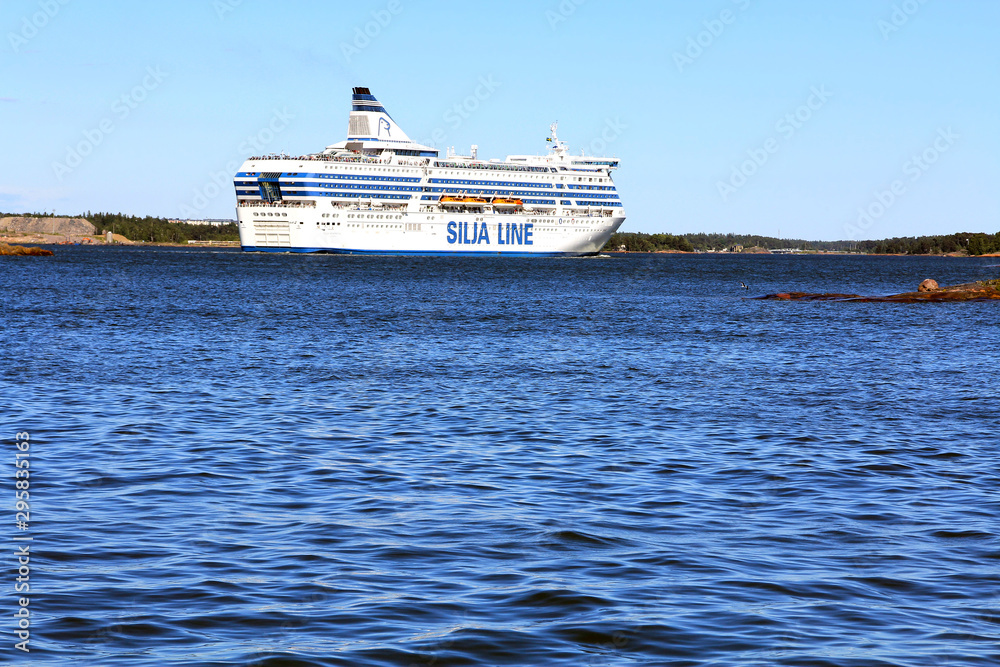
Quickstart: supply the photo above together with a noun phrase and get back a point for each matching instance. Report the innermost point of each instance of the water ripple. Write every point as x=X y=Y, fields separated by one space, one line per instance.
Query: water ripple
x=277 y=460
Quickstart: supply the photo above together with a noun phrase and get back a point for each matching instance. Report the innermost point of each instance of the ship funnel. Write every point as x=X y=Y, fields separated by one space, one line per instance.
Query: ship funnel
x=370 y=121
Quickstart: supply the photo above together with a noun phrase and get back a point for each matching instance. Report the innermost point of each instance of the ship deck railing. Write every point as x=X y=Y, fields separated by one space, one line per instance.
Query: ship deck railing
x=359 y=159
x=424 y=162
x=489 y=166
x=277 y=204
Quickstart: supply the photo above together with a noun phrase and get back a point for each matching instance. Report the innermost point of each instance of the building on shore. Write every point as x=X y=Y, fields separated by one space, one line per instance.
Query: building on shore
x=213 y=222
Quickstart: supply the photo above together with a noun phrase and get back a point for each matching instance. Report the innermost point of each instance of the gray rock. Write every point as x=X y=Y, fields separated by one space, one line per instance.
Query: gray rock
x=77 y=226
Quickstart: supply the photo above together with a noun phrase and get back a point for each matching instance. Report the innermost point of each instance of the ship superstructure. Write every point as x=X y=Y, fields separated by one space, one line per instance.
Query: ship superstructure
x=380 y=192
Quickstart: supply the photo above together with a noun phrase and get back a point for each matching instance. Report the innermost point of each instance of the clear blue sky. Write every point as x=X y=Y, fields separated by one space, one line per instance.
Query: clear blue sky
x=182 y=86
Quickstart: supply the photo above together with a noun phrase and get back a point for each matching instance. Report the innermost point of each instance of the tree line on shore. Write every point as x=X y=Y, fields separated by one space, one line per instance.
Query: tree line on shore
x=147 y=228
x=639 y=242
x=973 y=243
x=160 y=230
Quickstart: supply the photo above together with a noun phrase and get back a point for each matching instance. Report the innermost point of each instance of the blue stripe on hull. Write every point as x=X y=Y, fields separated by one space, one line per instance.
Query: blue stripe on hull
x=422 y=253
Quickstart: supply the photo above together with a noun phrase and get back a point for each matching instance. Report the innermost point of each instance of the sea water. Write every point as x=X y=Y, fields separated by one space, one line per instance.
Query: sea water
x=261 y=459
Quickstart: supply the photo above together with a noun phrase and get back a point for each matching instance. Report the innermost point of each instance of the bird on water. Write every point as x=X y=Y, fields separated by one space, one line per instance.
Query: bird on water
x=744 y=286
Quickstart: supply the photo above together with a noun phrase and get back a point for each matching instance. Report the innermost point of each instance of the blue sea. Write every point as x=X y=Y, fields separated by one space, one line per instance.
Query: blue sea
x=249 y=459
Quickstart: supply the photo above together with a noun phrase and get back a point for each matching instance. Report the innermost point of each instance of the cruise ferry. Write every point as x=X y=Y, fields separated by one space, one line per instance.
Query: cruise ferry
x=378 y=192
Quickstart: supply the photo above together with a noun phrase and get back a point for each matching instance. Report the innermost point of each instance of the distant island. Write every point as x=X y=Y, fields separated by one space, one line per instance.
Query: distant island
x=93 y=228
x=966 y=243
x=46 y=228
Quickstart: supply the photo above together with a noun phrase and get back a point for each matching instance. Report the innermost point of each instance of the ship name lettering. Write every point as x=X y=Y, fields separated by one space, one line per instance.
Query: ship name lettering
x=477 y=233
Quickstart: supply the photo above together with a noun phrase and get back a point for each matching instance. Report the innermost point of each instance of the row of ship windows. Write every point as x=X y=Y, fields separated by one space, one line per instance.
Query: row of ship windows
x=546 y=178
x=514 y=193
x=337 y=224
x=341 y=186
x=366 y=168
x=550 y=202
x=409 y=226
x=406 y=188
x=507 y=184
x=373 y=216
x=495 y=167
x=369 y=169
x=584 y=179
x=313 y=193
x=361 y=216
x=526 y=201
x=416 y=227
x=300 y=191
x=405 y=179
x=505 y=193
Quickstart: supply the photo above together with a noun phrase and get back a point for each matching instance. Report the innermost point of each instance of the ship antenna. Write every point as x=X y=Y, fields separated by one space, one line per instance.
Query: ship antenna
x=557 y=147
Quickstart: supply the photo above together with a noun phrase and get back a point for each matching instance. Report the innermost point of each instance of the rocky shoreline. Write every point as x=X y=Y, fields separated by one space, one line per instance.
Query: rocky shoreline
x=929 y=291
x=14 y=250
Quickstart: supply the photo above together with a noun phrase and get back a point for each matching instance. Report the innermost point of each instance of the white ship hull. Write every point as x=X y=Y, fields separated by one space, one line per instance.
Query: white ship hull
x=294 y=229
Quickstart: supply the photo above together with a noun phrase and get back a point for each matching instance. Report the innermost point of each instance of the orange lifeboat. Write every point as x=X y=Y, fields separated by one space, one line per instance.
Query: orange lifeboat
x=448 y=200
x=502 y=202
